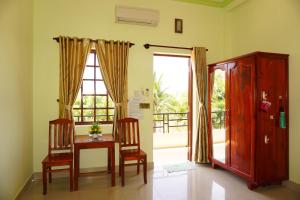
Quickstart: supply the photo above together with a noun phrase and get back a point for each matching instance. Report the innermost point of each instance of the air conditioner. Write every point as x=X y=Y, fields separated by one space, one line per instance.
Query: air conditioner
x=140 y=16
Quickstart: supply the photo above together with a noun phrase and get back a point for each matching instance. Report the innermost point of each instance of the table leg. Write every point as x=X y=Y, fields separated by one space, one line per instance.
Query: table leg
x=108 y=160
x=112 y=159
x=76 y=167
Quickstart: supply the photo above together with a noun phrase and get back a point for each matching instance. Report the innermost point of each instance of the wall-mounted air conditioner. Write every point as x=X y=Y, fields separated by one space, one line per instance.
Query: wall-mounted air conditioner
x=140 y=16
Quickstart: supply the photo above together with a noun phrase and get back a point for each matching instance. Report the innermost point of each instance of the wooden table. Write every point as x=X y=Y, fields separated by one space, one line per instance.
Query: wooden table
x=85 y=142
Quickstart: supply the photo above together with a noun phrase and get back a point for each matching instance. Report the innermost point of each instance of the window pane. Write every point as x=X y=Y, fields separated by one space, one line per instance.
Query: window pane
x=88 y=87
x=88 y=115
x=97 y=63
x=101 y=118
x=101 y=115
x=90 y=59
x=100 y=87
x=98 y=73
x=110 y=103
x=100 y=112
x=111 y=111
x=77 y=102
x=88 y=73
x=101 y=101
x=111 y=114
x=88 y=102
x=76 y=115
x=111 y=118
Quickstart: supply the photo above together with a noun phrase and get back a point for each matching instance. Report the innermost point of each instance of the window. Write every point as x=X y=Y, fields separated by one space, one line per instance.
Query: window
x=93 y=104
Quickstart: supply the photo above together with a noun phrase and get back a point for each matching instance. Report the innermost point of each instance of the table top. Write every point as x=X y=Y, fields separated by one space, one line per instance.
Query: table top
x=79 y=139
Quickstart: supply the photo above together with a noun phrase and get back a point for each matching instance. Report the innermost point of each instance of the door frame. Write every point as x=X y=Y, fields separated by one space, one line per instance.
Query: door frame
x=190 y=112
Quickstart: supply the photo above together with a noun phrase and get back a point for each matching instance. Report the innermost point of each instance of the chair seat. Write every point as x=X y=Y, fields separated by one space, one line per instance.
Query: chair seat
x=132 y=154
x=58 y=158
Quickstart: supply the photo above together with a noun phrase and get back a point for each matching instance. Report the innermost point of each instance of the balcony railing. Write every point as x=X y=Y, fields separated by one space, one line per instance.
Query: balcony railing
x=165 y=121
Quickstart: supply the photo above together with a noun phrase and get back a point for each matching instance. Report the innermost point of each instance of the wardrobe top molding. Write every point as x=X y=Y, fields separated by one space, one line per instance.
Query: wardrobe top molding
x=279 y=55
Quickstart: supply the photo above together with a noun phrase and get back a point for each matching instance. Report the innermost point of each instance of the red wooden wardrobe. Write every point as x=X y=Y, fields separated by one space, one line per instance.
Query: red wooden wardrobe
x=249 y=134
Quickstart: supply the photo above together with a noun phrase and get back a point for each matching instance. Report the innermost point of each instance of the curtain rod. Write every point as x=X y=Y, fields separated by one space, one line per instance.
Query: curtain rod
x=147 y=46
x=57 y=40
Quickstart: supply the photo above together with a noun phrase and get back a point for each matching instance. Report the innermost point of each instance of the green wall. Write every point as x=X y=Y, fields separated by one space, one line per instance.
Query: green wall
x=274 y=26
x=16 y=96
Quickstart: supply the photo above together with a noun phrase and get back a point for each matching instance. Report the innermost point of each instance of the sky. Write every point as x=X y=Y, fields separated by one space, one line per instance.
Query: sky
x=174 y=71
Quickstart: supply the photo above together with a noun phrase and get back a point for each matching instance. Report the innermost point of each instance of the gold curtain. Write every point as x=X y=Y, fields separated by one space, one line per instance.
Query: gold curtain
x=113 y=59
x=200 y=72
x=73 y=54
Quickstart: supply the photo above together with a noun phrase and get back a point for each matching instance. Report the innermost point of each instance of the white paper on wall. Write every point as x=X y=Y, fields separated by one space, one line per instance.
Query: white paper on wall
x=134 y=106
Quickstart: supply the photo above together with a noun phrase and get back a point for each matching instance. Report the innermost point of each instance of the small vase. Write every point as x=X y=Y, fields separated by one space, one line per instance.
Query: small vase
x=94 y=136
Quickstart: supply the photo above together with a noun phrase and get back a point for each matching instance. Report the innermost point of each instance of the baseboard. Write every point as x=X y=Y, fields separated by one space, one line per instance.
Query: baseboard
x=291 y=185
x=25 y=187
x=95 y=170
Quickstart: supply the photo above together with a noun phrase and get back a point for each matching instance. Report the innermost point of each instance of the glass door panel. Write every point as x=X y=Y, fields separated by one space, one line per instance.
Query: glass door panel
x=218 y=115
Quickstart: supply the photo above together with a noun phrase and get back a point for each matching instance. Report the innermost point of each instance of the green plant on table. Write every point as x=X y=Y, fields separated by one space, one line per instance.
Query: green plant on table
x=95 y=129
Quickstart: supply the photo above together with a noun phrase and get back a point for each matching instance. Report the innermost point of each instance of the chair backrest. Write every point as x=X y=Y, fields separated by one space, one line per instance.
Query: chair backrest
x=61 y=136
x=129 y=134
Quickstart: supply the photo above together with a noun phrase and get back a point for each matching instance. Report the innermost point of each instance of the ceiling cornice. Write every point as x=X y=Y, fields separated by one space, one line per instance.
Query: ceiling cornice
x=218 y=4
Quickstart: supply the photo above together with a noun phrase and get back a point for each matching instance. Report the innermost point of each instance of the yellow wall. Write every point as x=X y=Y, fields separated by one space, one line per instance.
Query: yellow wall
x=274 y=26
x=16 y=96
x=203 y=26
x=268 y=25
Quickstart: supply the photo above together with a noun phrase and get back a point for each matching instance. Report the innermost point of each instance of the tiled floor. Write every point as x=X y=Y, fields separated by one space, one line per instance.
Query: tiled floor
x=169 y=156
x=203 y=183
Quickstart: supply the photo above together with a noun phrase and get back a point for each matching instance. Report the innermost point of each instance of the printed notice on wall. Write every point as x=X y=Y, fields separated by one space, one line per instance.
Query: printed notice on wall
x=134 y=105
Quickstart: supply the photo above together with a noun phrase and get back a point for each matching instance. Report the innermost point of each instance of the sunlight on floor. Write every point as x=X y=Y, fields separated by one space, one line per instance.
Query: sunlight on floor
x=169 y=156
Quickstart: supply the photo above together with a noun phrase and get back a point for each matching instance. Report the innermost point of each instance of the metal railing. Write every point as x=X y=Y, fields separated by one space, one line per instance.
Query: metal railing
x=165 y=121
x=218 y=119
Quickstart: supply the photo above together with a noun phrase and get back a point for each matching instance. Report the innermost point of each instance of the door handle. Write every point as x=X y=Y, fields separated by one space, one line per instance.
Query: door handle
x=267 y=139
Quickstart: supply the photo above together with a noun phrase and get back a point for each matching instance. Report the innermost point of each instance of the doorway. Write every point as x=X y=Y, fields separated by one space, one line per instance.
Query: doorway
x=172 y=121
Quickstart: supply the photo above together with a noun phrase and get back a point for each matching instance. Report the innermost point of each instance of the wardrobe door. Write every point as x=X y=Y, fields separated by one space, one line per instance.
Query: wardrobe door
x=217 y=113
x=241 y=106
x=272 y=139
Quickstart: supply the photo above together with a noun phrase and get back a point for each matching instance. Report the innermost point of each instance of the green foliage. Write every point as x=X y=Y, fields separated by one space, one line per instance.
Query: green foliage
x=218 y=98
x=95 y=129
x=165 y=102
x=88 y=104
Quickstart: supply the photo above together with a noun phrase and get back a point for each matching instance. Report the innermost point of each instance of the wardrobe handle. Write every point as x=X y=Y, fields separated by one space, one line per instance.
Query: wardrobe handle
x=267 y=139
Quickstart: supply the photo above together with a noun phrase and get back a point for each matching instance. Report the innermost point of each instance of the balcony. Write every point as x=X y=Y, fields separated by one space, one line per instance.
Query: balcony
x=170 y=129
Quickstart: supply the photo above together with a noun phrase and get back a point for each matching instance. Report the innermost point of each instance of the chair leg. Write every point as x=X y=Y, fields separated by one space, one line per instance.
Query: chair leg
x=120 y=167
x=44 y=179
x=138 y=166
x=123 y=172
x=71 y=177
x=50 y=175
x=145 y=170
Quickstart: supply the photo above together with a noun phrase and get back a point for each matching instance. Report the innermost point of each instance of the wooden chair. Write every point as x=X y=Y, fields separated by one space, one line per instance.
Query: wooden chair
x=60 y=150
x=129 y=146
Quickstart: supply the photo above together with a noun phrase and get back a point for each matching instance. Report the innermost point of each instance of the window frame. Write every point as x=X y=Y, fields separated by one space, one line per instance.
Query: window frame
x=94 y=95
